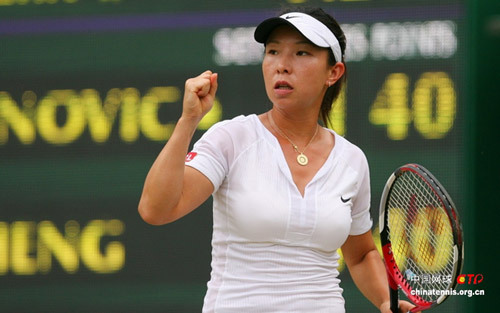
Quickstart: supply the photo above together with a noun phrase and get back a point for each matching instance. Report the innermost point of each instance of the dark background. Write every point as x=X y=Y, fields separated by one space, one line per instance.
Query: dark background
x=129 y=47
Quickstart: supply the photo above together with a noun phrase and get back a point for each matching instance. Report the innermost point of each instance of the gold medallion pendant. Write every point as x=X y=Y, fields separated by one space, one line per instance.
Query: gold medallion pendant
x=302 y=159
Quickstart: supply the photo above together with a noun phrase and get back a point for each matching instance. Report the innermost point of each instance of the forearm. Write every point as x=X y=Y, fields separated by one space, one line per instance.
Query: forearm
x=164 y=182
x=371 y=278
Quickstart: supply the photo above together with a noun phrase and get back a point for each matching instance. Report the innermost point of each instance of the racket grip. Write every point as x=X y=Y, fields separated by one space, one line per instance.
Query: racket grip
x=394 y=300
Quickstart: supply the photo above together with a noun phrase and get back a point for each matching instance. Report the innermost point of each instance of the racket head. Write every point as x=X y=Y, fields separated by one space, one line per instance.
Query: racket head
x=421 y=235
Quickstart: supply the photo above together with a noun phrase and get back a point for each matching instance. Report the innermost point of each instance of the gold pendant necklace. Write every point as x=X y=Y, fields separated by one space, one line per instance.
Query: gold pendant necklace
x=301 y=158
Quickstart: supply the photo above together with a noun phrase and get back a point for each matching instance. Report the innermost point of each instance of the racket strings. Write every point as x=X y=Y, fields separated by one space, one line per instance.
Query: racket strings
x=421 y=235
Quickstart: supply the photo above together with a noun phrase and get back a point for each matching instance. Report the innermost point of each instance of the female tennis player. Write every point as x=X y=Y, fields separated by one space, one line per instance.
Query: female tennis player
x=287 y=192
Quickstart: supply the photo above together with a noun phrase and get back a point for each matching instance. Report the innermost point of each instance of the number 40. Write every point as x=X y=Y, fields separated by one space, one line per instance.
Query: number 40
x=432 y=111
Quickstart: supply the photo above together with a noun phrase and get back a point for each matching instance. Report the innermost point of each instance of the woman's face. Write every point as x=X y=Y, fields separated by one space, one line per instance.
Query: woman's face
x=296 y=72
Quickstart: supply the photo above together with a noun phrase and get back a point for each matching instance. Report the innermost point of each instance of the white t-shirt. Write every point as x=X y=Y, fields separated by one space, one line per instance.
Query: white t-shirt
x=272 y=249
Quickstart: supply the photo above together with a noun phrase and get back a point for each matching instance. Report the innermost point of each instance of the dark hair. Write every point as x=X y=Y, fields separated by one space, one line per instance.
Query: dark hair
x=333 y=91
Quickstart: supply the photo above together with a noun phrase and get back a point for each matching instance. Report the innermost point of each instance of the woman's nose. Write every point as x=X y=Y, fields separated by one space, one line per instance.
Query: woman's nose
x=283 y=65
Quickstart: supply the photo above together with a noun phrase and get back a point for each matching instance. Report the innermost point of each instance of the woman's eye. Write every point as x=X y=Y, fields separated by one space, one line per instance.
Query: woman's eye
x=272 y=52
x=302 y=53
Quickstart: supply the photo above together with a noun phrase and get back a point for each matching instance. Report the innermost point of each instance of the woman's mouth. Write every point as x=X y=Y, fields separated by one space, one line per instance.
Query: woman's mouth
x=282 y=85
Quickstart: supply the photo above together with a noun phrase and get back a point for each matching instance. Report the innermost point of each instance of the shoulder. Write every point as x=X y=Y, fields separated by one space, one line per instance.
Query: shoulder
x=233 y=135
x=240 y=128
x=351 y=154
x=238 y=123
x=226 y=140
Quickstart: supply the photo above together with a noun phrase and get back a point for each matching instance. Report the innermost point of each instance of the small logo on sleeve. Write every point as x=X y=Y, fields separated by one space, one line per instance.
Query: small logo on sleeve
x=190 y=156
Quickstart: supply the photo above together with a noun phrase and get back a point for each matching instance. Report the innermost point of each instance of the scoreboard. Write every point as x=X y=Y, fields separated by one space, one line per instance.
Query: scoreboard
x=90 y=92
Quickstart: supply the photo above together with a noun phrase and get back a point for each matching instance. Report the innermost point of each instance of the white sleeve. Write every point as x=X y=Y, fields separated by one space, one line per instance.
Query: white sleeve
x=360 y=214
x=209 y=154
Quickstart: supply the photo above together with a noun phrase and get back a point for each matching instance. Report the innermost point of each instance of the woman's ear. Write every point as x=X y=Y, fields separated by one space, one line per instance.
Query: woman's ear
x=336 y=73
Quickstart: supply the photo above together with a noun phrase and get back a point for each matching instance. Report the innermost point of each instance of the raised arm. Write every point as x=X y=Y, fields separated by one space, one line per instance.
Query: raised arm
x=171 y=189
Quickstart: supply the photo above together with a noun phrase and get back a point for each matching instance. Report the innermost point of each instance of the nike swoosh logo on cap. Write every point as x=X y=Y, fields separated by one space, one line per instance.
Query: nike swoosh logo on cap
x=290 y=16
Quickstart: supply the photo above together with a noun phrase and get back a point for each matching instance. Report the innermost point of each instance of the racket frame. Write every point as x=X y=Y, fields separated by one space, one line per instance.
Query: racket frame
x=395 y=277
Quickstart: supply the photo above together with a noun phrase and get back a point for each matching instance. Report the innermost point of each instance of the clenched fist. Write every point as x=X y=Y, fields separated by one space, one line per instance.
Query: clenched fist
x=199 y=95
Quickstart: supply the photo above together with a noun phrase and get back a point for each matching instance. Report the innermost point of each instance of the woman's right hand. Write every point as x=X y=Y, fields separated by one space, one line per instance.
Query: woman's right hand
x=199 y=95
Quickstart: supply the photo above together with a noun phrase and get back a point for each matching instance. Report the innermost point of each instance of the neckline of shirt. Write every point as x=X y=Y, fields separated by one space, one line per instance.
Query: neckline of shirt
x=273 y=141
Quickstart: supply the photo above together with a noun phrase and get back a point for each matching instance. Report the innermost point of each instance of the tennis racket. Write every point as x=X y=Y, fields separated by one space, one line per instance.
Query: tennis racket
x=421 y=236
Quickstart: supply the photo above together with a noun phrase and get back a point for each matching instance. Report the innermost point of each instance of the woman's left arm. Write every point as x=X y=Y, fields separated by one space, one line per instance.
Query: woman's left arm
x=368 y=271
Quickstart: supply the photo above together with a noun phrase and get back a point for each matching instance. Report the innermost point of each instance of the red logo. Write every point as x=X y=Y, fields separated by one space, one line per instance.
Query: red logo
x=190 y=156
x=472 y=279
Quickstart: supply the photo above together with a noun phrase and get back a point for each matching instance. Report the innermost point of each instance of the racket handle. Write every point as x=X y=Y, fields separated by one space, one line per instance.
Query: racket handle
x=394 y=300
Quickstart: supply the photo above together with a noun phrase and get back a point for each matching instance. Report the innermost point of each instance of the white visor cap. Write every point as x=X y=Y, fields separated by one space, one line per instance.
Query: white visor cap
x=307 y=25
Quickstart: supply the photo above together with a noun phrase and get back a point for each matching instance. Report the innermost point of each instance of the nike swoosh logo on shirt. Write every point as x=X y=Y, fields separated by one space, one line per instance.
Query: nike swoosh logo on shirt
x=344 y=200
